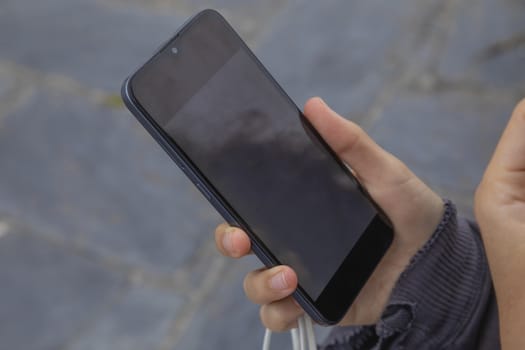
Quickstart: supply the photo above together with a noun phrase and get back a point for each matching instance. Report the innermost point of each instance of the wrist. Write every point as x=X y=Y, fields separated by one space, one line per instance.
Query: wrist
x=373 y=298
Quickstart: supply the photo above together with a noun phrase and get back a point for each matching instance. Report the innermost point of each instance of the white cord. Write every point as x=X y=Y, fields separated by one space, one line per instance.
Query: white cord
x=267 y=339
x=303 y=337
x=310 y=335
x=295 y=338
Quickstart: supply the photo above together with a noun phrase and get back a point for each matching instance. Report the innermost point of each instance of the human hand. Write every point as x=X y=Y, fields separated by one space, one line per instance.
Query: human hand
x=413 y=208
x=500 y=211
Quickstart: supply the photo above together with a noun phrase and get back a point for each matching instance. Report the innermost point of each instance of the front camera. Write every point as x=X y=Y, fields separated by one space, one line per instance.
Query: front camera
x=174 y=50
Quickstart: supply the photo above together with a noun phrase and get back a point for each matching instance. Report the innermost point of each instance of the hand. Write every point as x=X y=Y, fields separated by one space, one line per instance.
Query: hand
x=500 y=211
x=412 y=207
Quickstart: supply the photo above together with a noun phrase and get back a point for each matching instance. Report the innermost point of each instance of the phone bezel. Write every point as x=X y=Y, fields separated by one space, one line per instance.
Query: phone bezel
x=334 y=301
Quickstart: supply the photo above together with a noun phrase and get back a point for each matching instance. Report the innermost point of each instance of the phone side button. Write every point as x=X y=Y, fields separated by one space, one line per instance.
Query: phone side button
x=204 y=191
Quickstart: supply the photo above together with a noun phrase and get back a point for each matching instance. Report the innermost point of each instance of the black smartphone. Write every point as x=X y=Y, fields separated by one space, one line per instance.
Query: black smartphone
x=234 y=132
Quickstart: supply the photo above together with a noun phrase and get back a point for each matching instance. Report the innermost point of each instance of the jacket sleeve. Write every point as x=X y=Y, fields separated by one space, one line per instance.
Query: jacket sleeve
x=443 y=300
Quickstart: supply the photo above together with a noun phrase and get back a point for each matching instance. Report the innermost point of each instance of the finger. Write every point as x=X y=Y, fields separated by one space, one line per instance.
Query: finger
x=268 y=285
x=232 y=241
x=353 y=145
x=281 y=315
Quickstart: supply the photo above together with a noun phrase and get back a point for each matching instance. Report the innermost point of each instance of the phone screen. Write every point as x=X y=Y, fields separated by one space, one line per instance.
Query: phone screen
x=248 y=139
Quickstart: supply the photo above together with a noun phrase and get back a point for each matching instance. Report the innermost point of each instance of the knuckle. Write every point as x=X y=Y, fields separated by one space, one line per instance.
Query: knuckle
x=251 y=289
x=273 y=319
x=352 y=140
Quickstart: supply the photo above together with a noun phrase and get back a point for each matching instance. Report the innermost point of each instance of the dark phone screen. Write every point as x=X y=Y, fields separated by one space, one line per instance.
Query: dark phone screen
x=248 y=139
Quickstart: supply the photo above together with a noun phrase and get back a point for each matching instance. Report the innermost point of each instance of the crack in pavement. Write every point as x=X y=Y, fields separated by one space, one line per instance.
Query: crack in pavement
x=501 y=47
x=28 y=78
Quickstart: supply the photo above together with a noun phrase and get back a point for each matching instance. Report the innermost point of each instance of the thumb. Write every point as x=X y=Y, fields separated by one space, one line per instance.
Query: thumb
x=372 y=164
x=504 y=179
x=413 y=207
x=509 y=156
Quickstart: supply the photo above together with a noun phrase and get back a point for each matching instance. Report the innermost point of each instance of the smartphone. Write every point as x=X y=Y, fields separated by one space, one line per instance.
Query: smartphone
x=222 y=118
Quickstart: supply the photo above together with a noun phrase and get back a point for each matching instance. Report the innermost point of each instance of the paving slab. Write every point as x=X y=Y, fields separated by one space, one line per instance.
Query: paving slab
x=92 y=43
x=486 y=44
x=90 y=174
x=12 y=91
x=100 y=42
x=446 y=138
x=7 y=82
x=139 y=320
x=251 y=18
x=48 y=295
x=345 y=51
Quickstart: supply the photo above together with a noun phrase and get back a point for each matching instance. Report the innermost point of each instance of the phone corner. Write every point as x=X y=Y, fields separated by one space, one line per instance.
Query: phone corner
x=213 y=13
x=210 y=12
x=125 y=93
x=312 y=311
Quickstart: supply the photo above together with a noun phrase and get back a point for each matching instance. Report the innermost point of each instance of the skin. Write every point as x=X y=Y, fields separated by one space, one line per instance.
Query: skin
x=413 y=208
x=500 y=210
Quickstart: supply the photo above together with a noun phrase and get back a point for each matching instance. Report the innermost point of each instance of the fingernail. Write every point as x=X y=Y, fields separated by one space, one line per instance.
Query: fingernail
x=227 y=239
x=278 y=281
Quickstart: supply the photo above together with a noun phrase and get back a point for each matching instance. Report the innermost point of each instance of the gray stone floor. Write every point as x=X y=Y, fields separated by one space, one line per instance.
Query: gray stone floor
x=103 y=242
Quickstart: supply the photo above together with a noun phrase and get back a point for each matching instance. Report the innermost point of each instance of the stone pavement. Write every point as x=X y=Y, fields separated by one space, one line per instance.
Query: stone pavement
x=103 y=242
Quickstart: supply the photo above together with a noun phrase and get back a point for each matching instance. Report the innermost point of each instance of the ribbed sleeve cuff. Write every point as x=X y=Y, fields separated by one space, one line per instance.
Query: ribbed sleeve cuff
x=442 y=284
x=434 y=297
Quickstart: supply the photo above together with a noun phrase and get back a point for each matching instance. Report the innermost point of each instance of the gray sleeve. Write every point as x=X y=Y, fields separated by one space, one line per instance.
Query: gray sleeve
x=443 y=300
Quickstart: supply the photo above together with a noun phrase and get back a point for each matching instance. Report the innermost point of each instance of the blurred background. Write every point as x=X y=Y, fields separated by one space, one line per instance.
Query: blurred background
x=103 y=242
